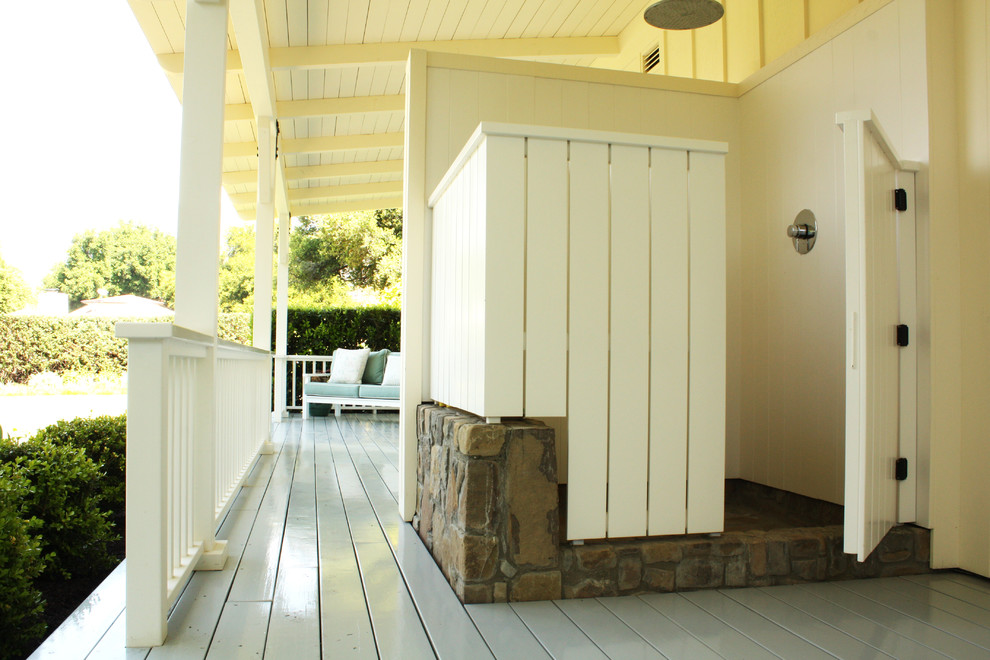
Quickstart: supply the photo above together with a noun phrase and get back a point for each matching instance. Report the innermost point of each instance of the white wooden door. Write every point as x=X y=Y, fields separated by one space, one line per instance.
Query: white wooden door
x=873 y=357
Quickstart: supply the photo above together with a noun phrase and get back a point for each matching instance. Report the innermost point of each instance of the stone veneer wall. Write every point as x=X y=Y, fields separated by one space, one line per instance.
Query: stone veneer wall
x=488 y=511
x=488 y=508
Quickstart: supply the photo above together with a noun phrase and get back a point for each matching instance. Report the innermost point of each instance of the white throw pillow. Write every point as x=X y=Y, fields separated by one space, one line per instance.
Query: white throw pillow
x=393 y=369
x=348 y=365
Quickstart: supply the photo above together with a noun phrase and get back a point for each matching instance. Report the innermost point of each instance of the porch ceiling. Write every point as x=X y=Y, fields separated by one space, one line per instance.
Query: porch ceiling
x=333 y=75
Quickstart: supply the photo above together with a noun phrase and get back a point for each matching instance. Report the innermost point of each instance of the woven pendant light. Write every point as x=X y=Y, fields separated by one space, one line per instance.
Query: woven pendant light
x=683 y=14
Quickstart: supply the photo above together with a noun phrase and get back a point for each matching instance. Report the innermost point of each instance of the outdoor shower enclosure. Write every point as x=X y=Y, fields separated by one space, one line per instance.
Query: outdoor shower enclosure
x=581 y=274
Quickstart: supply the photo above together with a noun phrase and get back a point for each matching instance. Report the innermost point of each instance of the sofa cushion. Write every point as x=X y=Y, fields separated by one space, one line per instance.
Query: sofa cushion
x=393 y=369
x=379 y=391
x=375 y=369
x=348 y=365
x=331 y=389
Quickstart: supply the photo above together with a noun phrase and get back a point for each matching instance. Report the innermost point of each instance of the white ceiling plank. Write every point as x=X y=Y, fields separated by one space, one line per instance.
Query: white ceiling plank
x=278 y=30
x=346 y=190
x=151 y=25
x=349 y=55
x=431 y=21
x=394 y=19
x=522 y=19
x=316 y=23
x=378 y=11
x=504 y=19
x=578 y=16
x=552 y=23
x=173 y=25
x=413 y=21
x=451 y=19
x=537 y=22
x=318 y=107
x=297 y=20
x=336 y=22
x=482 y=27
x=357 y=19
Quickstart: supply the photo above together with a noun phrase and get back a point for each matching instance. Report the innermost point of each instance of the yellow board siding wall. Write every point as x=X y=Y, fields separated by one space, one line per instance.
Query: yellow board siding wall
x=792 y=413
x=461 y=92
x=959 y=48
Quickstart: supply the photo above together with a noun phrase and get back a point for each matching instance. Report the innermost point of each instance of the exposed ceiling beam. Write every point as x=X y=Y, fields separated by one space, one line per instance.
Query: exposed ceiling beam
x=327 y=192
x=317 y=144
x=250 y=177
x=391 y=202
x=338 y=55
x=250 y=26
x=317 y=107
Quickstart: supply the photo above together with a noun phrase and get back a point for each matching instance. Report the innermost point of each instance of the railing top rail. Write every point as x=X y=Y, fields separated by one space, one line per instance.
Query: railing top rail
x=241 y=350
x=308 y=358
x=135 y=330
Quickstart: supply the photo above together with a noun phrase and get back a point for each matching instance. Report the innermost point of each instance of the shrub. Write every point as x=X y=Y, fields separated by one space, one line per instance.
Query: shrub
x=104 y=439
x=21 y=561
x=320 y=331
x=64 y=494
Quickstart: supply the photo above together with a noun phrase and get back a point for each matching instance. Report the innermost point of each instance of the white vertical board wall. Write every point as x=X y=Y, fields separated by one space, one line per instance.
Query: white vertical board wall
x=573 y=277
x=629 y=333
x=587 y=393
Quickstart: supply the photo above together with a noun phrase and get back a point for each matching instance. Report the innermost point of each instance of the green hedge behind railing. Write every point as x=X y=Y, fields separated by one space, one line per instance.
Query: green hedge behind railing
x=36 y=344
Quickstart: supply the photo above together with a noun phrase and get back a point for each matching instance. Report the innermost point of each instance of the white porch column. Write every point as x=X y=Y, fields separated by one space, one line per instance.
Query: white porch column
x=201 y=166
x=264 y=226
x=281 y=313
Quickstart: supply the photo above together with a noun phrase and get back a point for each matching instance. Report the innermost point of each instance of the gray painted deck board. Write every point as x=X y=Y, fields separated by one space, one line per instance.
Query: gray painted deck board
x=559 y=635
x=606 y=630
x=672 y=640
x=899 y=622
x=507 y=636
x=321 y=565
x=715 y=634
x=826 y=637
x=763 y=631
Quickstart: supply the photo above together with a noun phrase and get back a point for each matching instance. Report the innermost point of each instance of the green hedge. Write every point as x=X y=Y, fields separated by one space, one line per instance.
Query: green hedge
x=65 y=495
x=35 y=344
x=320 y=331
x=21 y=561
x=104 y=439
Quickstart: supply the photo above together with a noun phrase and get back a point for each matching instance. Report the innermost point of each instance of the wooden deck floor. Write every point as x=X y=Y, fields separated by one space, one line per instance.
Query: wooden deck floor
x=322 y=566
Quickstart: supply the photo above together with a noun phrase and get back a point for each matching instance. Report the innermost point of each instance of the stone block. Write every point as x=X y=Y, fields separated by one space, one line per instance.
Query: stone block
x=473 y=593
x=476 y=502
x=477 y=556
x=894 y=556
x=807 y=546
x=922 y=544
x=500 y=592
x=595 y=557
x=729 y=547
x=508 y=570
x=480 y=439
x=700 y=548
x=531 y=500
x=591 y=588
x=699 y=573
x=658 y=579
x=735 y=572
x=777 y=560
x=656 y=552
x=544 y=585
x=630 y=573
x=808 y=570
x=758 y=558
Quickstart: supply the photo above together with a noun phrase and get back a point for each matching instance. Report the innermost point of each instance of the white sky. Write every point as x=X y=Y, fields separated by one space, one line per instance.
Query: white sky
x=89 y=128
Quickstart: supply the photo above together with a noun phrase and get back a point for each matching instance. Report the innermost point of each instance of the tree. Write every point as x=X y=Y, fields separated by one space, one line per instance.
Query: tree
x=14 y=291
x=237 y=271
x=360 y=250
x=127 y=259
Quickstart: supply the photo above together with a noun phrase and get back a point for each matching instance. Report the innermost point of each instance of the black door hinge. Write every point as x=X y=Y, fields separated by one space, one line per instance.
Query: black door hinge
x=901 y=469
x=900 y=199
x=902 y=335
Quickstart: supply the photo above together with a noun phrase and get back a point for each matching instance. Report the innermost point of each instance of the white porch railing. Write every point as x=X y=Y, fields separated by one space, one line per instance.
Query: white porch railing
x=197 y=416
x=290 y=371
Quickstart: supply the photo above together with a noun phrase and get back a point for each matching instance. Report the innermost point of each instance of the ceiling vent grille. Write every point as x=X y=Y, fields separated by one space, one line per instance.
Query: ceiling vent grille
x=651 y=58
